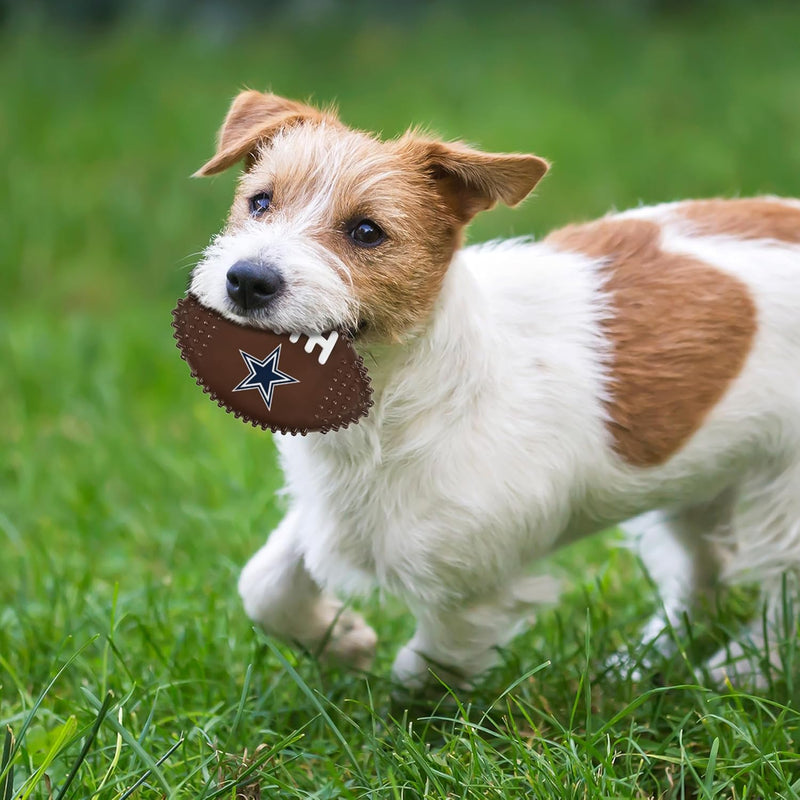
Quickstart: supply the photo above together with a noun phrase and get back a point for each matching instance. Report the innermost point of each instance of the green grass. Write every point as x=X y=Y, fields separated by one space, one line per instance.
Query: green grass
x=128 y=502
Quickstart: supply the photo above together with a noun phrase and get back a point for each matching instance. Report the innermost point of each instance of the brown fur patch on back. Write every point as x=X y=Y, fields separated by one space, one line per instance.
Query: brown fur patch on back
x=680 y=331
x=762 y=218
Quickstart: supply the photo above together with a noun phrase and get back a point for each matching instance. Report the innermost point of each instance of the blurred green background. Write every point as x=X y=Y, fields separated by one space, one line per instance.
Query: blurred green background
x=127 y=500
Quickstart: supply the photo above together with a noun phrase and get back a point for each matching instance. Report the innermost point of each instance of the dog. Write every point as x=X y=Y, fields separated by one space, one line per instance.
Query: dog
x=644 y=366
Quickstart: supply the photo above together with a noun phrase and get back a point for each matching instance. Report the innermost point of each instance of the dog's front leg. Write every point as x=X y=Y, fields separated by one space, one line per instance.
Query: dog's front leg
x=281 y=596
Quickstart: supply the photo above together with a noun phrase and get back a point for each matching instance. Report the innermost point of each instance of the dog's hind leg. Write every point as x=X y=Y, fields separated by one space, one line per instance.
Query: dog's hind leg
x=766 y=534
x=458 y=642
x=281 y=596
x=682 y=551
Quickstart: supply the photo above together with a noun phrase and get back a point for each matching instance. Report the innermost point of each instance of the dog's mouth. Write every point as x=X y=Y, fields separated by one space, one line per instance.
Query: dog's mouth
x=261 y=319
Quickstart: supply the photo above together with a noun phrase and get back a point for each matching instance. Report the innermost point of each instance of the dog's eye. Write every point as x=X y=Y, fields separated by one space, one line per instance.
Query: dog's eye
x=367 y=233
x=259 y=203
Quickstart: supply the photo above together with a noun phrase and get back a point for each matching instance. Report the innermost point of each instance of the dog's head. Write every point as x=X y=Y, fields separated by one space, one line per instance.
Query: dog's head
x=334 y=228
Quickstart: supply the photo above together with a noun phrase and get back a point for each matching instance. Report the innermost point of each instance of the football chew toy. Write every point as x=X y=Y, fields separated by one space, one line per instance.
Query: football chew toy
x=288 y=383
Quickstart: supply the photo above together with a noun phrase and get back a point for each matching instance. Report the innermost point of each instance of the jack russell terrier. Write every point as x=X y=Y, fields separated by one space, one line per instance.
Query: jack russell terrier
x=526 y=394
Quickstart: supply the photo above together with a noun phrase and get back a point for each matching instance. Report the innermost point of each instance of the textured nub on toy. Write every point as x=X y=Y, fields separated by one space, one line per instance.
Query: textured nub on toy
x=288 y=383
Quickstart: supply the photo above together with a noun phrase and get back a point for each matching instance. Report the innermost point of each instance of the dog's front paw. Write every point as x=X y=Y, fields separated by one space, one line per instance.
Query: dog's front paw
x=350 y=642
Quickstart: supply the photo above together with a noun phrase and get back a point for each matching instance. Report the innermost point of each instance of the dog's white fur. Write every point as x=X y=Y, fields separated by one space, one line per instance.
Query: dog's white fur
x=488 y=447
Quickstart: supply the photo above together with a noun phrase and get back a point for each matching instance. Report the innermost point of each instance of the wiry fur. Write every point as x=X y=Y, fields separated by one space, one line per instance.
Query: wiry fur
x=491 y=441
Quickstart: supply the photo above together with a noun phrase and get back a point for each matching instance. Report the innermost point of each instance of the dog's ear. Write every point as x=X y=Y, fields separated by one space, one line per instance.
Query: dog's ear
x=471 y=181
x=253 y=118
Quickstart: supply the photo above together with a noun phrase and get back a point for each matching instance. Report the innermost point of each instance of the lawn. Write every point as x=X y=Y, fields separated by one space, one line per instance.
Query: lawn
x=128 y=502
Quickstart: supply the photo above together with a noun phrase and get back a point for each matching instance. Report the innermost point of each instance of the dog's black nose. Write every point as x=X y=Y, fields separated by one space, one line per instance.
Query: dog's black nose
x=252 y=284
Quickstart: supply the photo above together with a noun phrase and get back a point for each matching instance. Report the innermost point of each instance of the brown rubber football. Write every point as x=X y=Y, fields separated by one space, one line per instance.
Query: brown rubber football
x=287 y=383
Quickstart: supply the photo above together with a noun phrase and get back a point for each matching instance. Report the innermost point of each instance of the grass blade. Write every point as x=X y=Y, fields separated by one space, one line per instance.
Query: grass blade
x=146 y=775
x=306 y=690
x=86 y=745
x=132 y=742
x=39 y=700
x=7 y=785
x=67 y=729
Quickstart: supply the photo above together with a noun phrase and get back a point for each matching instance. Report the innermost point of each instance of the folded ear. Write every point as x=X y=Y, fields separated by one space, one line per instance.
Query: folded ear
x=471 y=181
x=253 y=118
